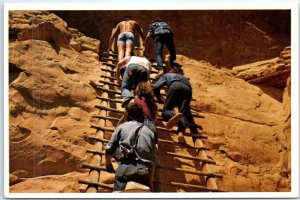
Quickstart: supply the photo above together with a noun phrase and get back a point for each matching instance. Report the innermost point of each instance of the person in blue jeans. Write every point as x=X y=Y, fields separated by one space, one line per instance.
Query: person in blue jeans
x=133 y=74
x=140 y=164
x=162 y=34
x=179 y=95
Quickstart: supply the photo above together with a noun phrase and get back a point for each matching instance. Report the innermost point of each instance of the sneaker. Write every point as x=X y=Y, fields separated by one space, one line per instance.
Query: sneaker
x=159 y=74
x=126 y=102
x=173 y=120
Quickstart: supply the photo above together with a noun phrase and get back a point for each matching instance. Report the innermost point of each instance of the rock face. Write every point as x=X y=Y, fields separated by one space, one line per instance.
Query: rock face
x=221 y=37
x=246 y=129
x=249 y=127
x=272 y=72
x=43 y=25
x=50 y=98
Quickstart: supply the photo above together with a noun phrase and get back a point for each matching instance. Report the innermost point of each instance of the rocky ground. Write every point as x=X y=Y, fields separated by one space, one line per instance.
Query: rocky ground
x=246 y=108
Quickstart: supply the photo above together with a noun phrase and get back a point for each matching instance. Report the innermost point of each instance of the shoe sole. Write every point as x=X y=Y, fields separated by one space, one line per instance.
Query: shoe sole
x=173 y=120
x=126 y=102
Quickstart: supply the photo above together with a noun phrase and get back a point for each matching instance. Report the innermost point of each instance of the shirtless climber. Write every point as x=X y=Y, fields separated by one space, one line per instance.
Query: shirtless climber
x=126 y=37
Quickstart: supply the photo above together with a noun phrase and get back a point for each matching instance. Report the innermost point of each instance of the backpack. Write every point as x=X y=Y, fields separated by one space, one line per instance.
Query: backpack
x=128 y=152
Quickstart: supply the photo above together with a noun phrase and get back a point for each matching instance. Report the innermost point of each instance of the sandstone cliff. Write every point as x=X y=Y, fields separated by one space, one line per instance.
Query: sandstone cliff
x=51 y=64
x=225 y=38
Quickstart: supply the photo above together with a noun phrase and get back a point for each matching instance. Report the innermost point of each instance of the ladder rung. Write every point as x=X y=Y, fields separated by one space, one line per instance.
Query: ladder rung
x=102 y=128
x=109 y=83
x=158 y=128
x=109 y=64
x=108 y=99
x=159 y=140
x=92 y=167
x=190 y=171
x=109 y=109
x=104 y=117
x=164 y=154
x=185 y=134
x=195 y=114
x=178 y=169
x=109 y=77
x=110 y=54
x=107 y=70
x=108 y=90
x=189 y=157
x=110 y=59
x=82 y=181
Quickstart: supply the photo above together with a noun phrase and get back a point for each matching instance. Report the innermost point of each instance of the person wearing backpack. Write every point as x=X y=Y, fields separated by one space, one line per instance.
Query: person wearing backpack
x=133 y=145
x=145 y=98
x=162 y=35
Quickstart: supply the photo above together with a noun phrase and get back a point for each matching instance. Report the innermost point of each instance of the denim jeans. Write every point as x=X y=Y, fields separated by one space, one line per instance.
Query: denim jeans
x=179 y=95
x=127 y=172
x=133 y=74
x=160 y=41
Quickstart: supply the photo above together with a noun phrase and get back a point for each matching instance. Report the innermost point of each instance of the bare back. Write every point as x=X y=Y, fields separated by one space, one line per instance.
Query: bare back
x=128 y=26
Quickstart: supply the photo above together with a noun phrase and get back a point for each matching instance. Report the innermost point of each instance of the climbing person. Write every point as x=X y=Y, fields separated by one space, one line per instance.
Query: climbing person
x=138 y=58
x=126 y=39
x=179 y=95
x=162 y=34
x=137 y=69
x=133 y=145
x=145 y=98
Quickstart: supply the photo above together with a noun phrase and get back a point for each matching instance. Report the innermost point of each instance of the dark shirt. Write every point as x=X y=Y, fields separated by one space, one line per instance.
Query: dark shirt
x=167 y=79
x=124 y=134
x=159 y=27
x=149 y=108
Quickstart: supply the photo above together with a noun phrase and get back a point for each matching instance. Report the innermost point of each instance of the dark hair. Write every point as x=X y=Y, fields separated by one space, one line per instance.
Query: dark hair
x=144 y=89
x=135 y=112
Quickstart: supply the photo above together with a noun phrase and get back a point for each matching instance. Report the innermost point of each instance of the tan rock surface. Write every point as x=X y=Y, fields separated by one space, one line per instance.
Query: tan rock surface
x=245 y=128
x=272 y=72
x=51 y=103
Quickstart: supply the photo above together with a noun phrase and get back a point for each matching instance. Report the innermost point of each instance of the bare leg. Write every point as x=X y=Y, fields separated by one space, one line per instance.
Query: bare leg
x=128 y=49
x=121 y=49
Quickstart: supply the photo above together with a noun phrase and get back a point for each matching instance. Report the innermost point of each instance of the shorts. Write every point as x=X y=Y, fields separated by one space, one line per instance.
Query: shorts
x=126 y=38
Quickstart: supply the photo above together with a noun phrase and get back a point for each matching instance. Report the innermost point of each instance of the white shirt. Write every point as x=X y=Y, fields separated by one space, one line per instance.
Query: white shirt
x=137 y=60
